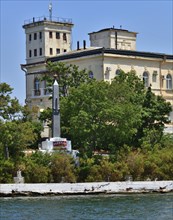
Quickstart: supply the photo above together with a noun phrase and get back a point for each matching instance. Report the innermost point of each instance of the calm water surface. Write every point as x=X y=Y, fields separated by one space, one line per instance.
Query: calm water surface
x=101 y=207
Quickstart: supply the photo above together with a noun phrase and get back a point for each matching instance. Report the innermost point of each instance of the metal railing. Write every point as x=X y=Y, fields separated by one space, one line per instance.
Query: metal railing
x=46 y=18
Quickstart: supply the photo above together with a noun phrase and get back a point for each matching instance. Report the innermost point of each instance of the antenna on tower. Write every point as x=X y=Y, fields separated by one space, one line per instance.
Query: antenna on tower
x=50 y=11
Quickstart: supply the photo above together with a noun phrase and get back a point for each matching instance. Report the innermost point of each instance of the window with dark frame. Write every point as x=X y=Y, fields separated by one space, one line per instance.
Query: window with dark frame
x=64 y=36
x=40 y=35
x=169 y=82
x=91 y=74
x=57 y=35
x=57 y=51
x=51 y=51
x=117 y=72
x=35 y=52
x=30 y=53
x=35 y=36
x=146 y=79
x=36 y=87
x=50 y=34
x=40 y=51
x=30 y=37
x=154 y=76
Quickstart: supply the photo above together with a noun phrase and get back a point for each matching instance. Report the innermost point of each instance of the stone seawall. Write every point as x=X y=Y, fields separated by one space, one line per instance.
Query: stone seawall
x=85 y=188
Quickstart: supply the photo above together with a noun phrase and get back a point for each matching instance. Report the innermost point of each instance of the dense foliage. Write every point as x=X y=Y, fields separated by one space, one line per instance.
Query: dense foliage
x=118 y=129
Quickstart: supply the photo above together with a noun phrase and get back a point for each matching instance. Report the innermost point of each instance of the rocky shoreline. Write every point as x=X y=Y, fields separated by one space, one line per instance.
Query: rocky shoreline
x=52 y=189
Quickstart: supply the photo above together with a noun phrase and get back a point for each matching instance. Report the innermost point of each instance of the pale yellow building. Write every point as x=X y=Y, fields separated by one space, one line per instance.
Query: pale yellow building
x=110 y=50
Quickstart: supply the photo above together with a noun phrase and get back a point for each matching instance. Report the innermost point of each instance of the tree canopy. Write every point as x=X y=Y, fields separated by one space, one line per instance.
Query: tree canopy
x=67 y=76
x=122 y=118
x=97 y=115
x=18 y=132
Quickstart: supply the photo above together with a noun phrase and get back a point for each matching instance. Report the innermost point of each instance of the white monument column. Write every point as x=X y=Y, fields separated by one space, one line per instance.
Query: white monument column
x=55 y=111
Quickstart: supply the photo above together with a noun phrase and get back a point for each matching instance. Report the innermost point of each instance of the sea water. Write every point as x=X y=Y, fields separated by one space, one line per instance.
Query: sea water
x=88 y=207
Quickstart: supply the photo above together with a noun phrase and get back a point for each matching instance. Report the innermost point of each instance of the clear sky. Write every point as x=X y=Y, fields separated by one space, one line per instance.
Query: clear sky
x=152 y=19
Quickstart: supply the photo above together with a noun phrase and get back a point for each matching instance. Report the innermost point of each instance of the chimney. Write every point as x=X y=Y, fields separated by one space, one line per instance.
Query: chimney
x=84 y=44
x=78 y=47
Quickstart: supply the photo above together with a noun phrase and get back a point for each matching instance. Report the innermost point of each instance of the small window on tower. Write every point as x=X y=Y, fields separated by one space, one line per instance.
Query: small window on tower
x=57 y=50
x=35 y=52
x=30 y=37
x=50 y=34
x=40 y=35
x=64 y=37
x=57 y=35
x=40 y=51
x=51 y=51
x=65 y=50
x=35 y=36
x=30 y=53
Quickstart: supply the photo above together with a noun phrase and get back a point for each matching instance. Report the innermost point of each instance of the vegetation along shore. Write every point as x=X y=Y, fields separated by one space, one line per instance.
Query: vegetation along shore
x=117 y=128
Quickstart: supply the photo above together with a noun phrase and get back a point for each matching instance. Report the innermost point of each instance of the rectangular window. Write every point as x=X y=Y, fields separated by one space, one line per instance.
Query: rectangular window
x=154 y=76
x=35 y=52
x=30 y=53
x=64 y=37
x=30 y=37
x=50 y=34
x=51 y=51
x=40 y=35
x=35 y=36
x=40 y=51
x=57 y=51
x=57 y=35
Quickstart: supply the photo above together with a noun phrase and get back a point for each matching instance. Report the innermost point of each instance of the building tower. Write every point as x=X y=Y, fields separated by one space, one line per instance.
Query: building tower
x=45 y=37
x=114 y=38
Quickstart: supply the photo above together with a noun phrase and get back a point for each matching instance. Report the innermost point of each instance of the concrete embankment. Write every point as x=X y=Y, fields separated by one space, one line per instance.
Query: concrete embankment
x=85 y=188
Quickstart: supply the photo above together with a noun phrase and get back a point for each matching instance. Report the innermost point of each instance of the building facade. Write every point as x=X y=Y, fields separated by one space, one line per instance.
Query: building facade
x=110 y=51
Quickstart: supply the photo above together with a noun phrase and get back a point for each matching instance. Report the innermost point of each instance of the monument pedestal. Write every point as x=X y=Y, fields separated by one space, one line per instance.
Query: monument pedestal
x=56 y=144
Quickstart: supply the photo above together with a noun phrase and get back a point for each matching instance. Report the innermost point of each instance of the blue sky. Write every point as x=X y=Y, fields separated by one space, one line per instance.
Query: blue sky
x=153 y=20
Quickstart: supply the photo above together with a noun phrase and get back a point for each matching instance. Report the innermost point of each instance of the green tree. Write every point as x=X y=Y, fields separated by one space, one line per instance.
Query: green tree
x=99 y=115
x=18 y=132
x=62 y=168
x=36 y=168
x=67 y=76
x=10 y=109
x=6 y=171
x=155 y=112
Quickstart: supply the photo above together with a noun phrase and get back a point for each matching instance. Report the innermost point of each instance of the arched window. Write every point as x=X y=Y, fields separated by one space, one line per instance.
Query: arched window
x=168 y=82
x=117 y=72
x=36 y=86
x=146 y=79
x=91 y=75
